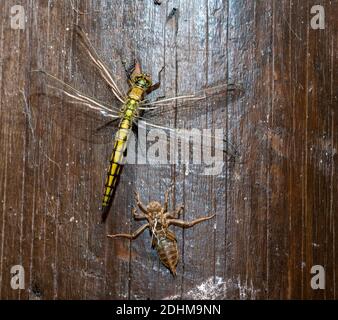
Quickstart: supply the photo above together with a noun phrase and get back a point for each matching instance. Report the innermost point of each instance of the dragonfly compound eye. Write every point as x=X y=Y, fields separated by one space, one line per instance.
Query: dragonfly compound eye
x=143 y=81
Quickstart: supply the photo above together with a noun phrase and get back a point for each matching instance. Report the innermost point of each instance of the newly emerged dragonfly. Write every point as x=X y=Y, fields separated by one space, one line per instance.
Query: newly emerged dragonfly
x=130 y=113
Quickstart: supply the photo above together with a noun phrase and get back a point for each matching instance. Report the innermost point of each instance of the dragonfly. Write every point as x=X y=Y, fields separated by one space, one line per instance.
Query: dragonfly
x=130 y=114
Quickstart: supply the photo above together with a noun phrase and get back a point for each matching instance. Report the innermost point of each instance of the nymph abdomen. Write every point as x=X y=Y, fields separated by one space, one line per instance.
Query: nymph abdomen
x=168 y=253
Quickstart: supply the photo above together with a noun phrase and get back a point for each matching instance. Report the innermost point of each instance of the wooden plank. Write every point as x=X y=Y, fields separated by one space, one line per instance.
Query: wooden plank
x=205 y=192
x=14 y=146
x=275 y=203
x=248 y=190
x=318 y=162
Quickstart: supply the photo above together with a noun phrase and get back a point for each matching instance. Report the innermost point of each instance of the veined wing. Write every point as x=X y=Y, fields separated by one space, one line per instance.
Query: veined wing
x=194 y=145
x=188 y=100
x=77 y=97
x=98 y=63
x=89 y=115
x=185 y=145
x=206 y=149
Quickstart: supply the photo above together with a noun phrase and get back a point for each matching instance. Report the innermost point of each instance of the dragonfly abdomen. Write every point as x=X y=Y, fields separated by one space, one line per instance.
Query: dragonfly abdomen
x=121 y=140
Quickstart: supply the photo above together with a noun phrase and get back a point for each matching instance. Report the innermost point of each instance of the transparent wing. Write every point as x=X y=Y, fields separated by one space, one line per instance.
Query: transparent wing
x=194 y=139
x=92 y=120
x=188 y=100
x=77 y=97
x=160 y=144
x=75 y=8
x=98 y=63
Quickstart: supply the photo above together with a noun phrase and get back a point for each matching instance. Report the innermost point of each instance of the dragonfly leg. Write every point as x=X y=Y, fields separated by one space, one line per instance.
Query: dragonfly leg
x=132 y=236
x=166 y=200
x=166 y=197
x=134 y=129
x=158 y=83
x=188 y=224
x=129 y=69
x=179 y=210
x=232 y=87
x=176 y=213
x=107 y=124
x=138 y=216
x=142 y=207
x=172 y=14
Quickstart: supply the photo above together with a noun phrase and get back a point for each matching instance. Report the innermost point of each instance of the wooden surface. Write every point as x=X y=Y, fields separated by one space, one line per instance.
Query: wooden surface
x=276 y=205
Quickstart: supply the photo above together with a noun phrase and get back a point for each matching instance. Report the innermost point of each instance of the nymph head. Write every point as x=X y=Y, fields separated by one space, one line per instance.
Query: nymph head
x=154 y=208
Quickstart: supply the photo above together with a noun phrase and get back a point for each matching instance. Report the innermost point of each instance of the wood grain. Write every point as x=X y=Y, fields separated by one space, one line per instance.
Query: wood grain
x=275 y=205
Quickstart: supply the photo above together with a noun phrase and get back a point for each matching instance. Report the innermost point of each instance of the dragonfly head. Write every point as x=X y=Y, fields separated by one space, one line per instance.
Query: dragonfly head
x=139 y=78
x=142 y=80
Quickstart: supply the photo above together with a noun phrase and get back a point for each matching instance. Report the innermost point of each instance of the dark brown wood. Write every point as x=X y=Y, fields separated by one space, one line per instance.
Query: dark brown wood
x=275 y=205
